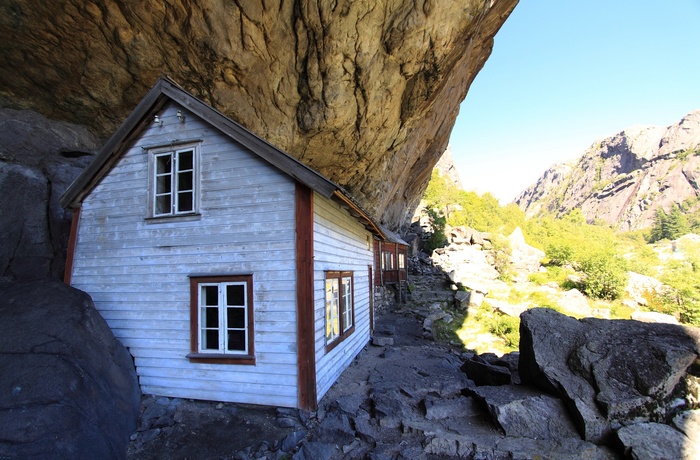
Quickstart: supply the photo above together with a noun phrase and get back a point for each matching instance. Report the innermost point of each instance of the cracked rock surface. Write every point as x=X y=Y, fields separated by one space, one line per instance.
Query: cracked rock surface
x=365 y=92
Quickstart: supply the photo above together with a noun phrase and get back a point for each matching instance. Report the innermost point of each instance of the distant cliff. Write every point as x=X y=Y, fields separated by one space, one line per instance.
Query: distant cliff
x=624 y=179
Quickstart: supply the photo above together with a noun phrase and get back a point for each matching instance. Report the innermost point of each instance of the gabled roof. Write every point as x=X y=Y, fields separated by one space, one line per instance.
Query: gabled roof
x=166 y=89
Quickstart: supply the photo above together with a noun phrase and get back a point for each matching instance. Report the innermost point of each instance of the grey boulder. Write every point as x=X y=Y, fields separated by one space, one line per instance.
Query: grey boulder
x=68 y=388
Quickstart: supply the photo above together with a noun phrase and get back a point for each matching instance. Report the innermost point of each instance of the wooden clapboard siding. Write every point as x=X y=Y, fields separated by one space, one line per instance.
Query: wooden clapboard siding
x=340 y=243
x=137 y=269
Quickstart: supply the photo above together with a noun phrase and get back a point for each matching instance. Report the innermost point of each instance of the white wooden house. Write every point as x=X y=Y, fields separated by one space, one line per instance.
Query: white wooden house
x=230 y=270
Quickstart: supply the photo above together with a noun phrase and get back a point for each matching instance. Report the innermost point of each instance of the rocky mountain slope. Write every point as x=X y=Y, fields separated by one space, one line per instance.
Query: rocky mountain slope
x=624 y=179
x=365 y=92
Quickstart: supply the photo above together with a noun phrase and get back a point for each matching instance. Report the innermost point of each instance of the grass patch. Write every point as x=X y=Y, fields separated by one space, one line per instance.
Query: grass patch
x=507 y=328
x=552 y=274
x=447 y=332
x=618 y=310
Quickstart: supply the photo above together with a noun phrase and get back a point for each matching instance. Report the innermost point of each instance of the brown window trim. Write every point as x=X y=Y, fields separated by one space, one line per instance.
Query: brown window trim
x=195 y=356
x=215 y=358
x=343 y=335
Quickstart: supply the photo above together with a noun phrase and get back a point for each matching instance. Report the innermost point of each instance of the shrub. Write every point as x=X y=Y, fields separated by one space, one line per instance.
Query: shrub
x=683 y=276
x=645 y=261
x=604 y=276
x=507 y=328
x=501 y=256
x=560 y=253
x=553 y=273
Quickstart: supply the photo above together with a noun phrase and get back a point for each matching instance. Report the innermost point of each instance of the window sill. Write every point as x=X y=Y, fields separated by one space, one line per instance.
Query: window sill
x=178 y=218
x=217 y=358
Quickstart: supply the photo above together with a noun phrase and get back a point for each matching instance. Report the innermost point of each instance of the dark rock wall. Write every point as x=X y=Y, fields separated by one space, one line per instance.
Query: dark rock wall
x=39 y=158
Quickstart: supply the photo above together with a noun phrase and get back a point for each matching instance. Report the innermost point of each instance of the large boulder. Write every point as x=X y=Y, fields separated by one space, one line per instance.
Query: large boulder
x=39 y=158
x=68 y=388
x=525 y=412
x=610 y=373
x=655 y=441
x=525 y=259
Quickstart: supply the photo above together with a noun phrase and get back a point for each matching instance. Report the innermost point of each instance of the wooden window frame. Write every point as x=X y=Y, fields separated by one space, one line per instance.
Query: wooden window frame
x=401 y=260
x=198 y=356
x=388 y=260
x=345 y=330
x=175 y=152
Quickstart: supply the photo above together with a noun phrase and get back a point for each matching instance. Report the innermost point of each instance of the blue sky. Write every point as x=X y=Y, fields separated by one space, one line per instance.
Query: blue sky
x=563 y=74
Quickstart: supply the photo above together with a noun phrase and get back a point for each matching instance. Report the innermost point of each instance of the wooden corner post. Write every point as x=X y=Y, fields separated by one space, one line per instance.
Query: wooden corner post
x=306 y=353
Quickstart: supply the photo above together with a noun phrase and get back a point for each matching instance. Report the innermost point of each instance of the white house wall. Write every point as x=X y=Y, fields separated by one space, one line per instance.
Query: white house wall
x=137 y=271
x=340 y=243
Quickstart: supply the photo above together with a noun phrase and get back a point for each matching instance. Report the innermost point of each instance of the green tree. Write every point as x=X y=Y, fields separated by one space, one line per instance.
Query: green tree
x=657 y=228
x=604 y=275
x=437 y=223
x=676 y=224
x=668 y=226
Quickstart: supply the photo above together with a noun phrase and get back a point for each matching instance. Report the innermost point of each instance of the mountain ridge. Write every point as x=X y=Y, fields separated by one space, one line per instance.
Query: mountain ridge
x=623 y=179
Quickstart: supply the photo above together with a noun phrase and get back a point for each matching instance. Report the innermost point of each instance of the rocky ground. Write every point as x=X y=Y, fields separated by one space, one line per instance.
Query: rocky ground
x=406 y=397
x=401 y=400
x=184 y=429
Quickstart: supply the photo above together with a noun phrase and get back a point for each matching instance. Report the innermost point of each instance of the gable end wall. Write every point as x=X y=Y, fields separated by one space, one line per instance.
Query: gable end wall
x=137 y=271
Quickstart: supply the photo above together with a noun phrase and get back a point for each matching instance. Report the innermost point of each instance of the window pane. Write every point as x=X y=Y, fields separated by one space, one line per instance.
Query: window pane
x=235 y=294
x=164 y=164
x=184 y=202
x=211 y=339
x=184 y=181
x=163 y=184
x=332 y=312
x=347 y=303
x=210 y=295
x=185 y=161
x=236 y=341
x=163 y=204
x=211 y=317
x=235 y=316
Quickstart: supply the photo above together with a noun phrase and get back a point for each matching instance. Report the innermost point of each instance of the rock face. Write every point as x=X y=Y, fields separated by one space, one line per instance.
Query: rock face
x=68 y=388
x=624 y=179
x=365 y=92
x=610 y=373
x=39 y=158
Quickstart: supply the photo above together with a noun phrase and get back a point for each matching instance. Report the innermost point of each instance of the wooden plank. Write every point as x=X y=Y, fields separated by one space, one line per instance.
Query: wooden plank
x=304 y=209
x=223 y=395
x=206 y=381
x=72 y=239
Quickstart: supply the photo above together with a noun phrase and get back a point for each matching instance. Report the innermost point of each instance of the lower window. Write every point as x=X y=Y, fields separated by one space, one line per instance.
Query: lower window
x=340 y=309
x=221 y=319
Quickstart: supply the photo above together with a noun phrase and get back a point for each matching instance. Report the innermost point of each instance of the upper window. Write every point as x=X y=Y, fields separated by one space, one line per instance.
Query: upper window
x=174 y=182
x=340 y=310
x=387 y=260
x=221 y=318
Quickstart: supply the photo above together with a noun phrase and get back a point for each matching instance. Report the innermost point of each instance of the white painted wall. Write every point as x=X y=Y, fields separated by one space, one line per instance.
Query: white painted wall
x=137 y=271
x=340 y=243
